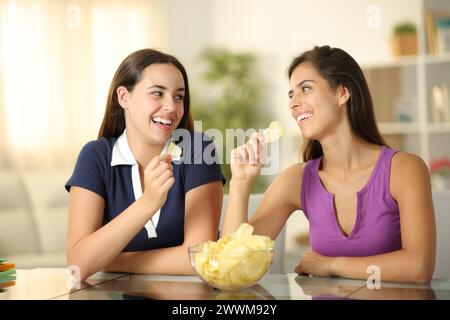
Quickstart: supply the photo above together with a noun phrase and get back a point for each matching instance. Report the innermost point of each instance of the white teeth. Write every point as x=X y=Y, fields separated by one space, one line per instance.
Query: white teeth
x=161 y=120
x=304 y=116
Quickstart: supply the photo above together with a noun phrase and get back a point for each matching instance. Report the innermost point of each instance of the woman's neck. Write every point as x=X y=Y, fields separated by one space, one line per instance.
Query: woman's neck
x=142 y=151
x=345 y=153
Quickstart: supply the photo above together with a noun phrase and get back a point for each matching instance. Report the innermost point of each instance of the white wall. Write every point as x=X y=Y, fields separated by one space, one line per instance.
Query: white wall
x=276 y=31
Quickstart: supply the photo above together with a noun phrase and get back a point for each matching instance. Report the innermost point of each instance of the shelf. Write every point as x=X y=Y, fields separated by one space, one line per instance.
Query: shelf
x=394 y=62
x=398 y=128
x=408 y=61
x=437 y=58
x=439 y=128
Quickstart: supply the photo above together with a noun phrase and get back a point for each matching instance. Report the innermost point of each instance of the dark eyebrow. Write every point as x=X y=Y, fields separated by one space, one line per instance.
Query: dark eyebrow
x=300 y=84
x=163 y=88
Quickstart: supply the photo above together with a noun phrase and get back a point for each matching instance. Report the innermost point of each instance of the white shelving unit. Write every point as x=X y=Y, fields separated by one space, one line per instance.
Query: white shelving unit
x=403 y=86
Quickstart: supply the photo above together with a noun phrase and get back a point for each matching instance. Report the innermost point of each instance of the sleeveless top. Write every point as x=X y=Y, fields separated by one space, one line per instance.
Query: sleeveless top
x=377 y=223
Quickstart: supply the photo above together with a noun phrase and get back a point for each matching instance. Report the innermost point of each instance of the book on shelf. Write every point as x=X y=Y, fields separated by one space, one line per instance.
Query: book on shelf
x=437 y=29
x=440 y=105
x=430 y=29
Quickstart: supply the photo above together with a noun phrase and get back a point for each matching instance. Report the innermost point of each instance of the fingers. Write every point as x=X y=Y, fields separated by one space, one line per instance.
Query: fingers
x=153 y=163
x=159 y=169
x=253 y=152
x=262 y=149
x=299 y=270
x=163 y=177
x=236 y=156
x=168 y=184
x=166 y=158
x=252 y=149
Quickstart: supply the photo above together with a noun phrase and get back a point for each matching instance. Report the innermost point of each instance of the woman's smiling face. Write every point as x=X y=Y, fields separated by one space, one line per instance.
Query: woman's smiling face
x=154 y=108
x=314 y=104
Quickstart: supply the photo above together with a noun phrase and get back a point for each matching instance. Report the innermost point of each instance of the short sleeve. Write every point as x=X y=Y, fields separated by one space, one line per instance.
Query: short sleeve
x=89 y=169
x=204 y=166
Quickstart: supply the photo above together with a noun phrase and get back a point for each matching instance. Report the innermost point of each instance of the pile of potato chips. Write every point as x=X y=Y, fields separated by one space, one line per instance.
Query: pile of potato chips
x=236 y=261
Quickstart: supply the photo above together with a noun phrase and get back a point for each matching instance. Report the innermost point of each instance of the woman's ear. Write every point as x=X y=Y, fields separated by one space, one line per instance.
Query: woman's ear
x=122 y=96
x=344 y=95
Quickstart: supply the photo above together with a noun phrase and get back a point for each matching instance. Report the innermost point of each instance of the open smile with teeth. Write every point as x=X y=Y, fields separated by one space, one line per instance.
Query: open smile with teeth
x=165 y=122
x=304 y=116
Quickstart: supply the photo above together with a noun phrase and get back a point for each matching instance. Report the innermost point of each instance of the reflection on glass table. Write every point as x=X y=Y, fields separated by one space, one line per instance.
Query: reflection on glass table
x=271 y=287
x=48 y=283
x=53 y=284
x=435 y=290
x=142 y=287
x=340 y=288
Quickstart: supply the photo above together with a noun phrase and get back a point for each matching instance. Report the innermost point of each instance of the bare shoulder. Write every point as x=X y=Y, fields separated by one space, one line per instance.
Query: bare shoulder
x=404 y=164
x=292 y=175
x=287 y=186
x=294 y=169
x=408 y=171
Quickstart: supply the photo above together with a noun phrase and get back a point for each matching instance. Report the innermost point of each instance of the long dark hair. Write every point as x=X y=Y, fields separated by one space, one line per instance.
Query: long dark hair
x=339 y=68
x=128 y=75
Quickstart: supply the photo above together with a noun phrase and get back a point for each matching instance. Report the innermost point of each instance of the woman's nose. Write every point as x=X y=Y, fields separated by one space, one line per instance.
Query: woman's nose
x=296 y=100
x=294 y=103
x=169 y=103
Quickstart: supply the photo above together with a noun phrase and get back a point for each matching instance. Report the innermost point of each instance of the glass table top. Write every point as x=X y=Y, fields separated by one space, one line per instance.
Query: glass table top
x=54 y=283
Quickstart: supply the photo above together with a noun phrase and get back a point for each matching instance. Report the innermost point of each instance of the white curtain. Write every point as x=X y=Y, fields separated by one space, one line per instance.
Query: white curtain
x=57 y=59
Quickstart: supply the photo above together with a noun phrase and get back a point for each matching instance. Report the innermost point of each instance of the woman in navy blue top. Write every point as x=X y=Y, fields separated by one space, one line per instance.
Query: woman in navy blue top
x=132 y=207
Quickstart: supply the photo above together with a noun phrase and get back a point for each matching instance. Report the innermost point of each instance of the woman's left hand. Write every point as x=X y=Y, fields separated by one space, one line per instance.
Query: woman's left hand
x=315 y=264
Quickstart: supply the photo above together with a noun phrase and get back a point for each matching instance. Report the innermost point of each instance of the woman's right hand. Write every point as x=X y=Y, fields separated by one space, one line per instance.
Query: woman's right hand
x=247 y=160
x=158 y=179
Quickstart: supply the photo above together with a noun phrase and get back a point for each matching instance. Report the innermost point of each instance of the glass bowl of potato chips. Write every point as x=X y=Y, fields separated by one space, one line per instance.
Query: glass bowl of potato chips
x=237 y=261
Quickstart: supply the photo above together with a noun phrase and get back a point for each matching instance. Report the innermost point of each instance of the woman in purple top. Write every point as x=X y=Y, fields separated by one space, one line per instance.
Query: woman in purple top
x=367 y=204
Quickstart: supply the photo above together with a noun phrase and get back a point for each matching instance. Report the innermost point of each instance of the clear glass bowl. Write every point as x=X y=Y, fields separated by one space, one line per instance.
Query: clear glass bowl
x=231 y=270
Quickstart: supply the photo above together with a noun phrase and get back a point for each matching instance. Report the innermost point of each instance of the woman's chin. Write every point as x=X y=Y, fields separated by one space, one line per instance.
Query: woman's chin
x=305 y=135
x=158 y=137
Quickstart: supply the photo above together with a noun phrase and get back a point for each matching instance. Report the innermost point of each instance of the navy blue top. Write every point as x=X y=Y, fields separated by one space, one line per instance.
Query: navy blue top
x=93 y=171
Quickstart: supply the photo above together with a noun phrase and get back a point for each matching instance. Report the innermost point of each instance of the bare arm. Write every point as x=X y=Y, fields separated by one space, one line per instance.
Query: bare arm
x=202 y=215
x=414 y=263
x=91 y=246
x=279 y=201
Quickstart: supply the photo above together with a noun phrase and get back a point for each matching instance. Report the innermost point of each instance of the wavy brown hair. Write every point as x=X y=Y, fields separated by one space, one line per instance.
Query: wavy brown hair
x=339 y=68
x=128 y=75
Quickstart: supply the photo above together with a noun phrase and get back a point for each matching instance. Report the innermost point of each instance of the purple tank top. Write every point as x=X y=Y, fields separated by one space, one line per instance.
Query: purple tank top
x=377 y=223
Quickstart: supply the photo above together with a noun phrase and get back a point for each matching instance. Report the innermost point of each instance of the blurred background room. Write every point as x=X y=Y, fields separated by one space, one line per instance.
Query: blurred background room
x=57 y=58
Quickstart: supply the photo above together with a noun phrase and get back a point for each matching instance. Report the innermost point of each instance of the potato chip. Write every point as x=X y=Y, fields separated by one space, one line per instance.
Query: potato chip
x=237 y=260
x=274 y=132
x=174 y=151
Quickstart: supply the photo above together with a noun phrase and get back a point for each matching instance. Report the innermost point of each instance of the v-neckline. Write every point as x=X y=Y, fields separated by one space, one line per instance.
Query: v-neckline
x=331 y=198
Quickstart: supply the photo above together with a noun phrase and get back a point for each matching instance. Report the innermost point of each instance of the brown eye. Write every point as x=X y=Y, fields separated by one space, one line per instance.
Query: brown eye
x=306 y=89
